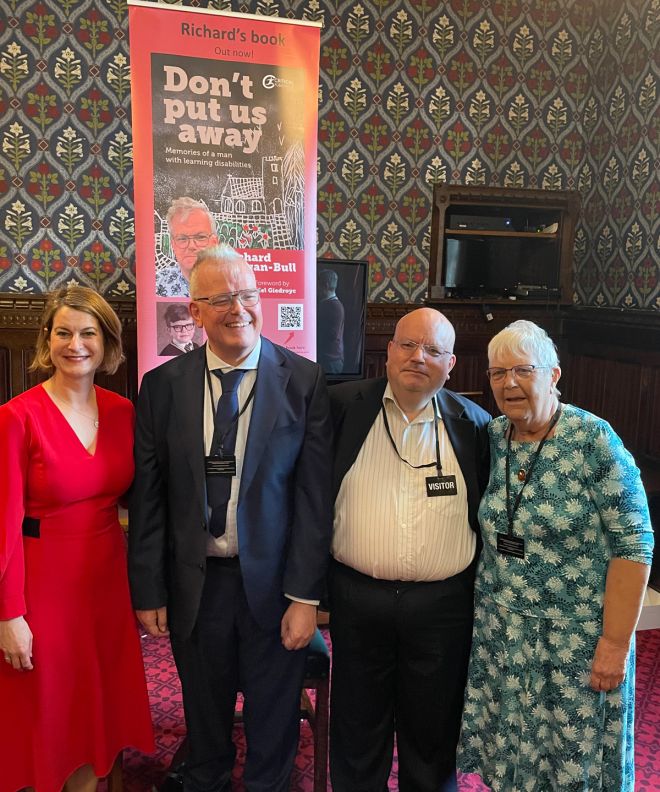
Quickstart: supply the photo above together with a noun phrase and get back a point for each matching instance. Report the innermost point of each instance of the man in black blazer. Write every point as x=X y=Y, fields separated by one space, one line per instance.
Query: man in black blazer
x=411 y=463
x=237 y=593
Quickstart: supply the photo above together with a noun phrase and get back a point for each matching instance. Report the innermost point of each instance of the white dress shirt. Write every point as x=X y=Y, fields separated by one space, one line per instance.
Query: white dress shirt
x=227 y=544
x=385 y=525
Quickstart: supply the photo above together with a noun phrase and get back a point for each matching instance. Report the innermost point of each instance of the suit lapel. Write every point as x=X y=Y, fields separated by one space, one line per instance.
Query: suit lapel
x=359 y=416
x=461 y=436
x=272 y=378
x=188 y=395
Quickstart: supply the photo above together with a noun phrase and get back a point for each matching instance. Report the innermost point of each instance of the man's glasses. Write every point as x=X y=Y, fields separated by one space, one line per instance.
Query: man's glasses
x=182 y=328
x=519 y=372
x=222 y=302
x=410 y=347
x=184 y=240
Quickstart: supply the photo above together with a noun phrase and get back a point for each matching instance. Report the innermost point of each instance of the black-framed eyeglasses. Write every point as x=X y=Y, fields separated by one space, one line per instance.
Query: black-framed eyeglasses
x=182 y=328
x=519 y=372
x=222 y=302
x=184 y=240
x=410 y=347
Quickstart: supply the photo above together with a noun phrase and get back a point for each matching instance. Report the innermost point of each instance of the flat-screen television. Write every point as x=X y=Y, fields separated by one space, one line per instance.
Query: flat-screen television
x=341 y=317
x=482 y=266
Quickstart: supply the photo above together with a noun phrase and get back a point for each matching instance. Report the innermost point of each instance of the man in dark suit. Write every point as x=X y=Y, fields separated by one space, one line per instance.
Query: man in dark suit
x=229 y=539
x=411 y=463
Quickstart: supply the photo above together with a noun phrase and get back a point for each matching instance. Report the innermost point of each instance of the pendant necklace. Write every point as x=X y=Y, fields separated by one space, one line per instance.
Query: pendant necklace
x=95 y=421
x=522 y=474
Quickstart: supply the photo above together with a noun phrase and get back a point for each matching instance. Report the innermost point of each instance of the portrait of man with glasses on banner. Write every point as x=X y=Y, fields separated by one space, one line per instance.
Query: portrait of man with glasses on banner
x=191 y=228
x=180 y=328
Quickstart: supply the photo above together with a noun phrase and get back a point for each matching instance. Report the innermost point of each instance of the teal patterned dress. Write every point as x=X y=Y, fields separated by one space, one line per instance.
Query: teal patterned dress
x=531 y=721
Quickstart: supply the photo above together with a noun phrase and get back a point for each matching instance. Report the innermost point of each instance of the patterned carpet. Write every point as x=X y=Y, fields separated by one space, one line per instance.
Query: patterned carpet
x=142 y=772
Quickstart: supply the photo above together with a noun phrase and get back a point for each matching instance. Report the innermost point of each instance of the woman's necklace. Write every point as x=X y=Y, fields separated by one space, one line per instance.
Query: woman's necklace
x=93 y=418
x=523 y=474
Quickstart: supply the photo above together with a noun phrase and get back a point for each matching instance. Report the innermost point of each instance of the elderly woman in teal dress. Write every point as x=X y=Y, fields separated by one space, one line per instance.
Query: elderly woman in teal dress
x=549 y=703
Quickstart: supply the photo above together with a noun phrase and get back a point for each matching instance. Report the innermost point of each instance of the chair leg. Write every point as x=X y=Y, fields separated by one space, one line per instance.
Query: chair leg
x=321 y=716
x=115 y=780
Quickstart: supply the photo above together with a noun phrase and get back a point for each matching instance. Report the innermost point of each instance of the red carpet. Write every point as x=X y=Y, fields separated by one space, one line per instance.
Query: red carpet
x=141 y=772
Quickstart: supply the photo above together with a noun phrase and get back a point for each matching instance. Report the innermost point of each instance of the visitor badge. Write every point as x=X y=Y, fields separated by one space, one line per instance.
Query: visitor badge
x=440 y=485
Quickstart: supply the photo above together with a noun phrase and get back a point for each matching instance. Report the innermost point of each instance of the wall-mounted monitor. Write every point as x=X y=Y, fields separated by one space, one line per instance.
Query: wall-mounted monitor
x=488 y=266
x=341 y=317
x=502 y=243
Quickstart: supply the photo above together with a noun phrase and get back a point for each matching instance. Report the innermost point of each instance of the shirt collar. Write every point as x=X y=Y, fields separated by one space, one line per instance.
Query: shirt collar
x=390 y=403
x=250 y=362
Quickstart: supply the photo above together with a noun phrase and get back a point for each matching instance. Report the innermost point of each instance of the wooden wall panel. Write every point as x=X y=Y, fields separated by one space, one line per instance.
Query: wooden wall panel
x=613 y=362
x=650 y=415
x=610 y=360
x=606 y=387
x=19 y=325
x=5 y=380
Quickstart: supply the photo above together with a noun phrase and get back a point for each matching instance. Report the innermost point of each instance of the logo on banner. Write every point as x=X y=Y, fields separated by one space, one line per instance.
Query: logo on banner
x=272 y=81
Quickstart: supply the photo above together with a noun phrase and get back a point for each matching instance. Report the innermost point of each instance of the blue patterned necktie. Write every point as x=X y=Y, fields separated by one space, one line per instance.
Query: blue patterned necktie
x=218 y=488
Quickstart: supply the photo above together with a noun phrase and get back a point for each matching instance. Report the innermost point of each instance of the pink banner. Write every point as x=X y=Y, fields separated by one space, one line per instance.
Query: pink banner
x=224 y=136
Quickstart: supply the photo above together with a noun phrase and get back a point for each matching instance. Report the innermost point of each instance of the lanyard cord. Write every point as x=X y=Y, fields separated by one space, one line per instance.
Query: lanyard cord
x=219 y=437
x=437 y=462
x=511 y=511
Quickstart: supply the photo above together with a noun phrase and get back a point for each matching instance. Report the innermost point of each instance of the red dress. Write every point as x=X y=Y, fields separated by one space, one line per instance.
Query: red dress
x=86 y=698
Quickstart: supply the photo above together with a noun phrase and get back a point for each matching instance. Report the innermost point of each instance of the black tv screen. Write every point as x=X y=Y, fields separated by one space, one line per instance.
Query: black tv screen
x=482 y=266
x=341 y=315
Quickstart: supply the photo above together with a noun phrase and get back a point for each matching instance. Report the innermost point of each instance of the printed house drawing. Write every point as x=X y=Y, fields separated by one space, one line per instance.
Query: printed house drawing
x=255 y=211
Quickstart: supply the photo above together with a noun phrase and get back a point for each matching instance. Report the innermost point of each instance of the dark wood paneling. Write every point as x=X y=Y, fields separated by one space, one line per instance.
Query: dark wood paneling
x=650 y=414
x=19 y=325
x=4 y=374
x=609 y=388
x=613 y=368
x=610 y=359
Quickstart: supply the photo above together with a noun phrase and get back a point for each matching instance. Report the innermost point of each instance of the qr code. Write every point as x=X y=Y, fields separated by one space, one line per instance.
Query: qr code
x=290 y=317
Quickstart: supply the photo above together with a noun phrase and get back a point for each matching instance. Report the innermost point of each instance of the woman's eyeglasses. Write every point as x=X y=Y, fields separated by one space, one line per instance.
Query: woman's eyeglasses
x=519 y=372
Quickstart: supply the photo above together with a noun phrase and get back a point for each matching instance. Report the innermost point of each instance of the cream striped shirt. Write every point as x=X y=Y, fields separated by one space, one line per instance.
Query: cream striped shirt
x=385 y=524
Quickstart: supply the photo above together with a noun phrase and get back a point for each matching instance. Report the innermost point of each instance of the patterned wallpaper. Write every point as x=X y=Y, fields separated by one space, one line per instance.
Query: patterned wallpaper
x=558 y=94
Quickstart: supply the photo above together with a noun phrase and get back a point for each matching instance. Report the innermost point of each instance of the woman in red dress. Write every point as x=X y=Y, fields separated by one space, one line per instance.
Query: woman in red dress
x=72 y=682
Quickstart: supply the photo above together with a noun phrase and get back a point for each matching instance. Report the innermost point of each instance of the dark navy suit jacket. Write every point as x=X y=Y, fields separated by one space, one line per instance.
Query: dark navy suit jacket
x=284 y=512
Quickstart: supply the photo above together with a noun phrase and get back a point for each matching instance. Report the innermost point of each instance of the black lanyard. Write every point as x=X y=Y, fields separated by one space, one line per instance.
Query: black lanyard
x=218 y=436
x=511 y=512
x=436 y=418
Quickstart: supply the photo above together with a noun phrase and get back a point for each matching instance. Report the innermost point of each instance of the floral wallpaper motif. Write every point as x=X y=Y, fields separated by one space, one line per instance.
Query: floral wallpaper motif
x=557 y=94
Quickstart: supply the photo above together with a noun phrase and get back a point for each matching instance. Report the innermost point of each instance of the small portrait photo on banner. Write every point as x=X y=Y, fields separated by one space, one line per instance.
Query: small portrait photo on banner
x=177 y=333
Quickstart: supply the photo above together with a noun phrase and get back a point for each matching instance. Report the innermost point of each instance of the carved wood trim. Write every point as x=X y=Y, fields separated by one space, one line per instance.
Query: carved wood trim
x=19 y=325
x=610 y=359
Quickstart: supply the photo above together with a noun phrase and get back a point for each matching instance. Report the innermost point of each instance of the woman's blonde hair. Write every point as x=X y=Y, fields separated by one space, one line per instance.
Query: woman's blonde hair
x=79 y=298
